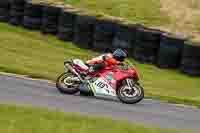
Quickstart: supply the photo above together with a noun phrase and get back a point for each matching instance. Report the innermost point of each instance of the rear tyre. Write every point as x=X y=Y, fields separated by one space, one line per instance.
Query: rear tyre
x=131 y=95
x=67 y=86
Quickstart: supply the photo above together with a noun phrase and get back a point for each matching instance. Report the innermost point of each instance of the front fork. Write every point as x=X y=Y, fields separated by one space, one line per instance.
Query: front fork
x=130 y=83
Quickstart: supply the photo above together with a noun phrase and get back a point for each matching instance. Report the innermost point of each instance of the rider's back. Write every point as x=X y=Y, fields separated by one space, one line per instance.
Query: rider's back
x=107 y=59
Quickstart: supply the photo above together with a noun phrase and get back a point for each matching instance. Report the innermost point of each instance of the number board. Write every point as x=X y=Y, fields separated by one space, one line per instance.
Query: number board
x=103 y=88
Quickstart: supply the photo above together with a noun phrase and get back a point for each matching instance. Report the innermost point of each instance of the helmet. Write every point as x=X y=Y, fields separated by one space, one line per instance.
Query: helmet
x=119 y=55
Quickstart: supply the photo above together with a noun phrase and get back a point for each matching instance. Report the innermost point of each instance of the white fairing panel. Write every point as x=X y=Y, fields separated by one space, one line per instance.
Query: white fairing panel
x=101 y=87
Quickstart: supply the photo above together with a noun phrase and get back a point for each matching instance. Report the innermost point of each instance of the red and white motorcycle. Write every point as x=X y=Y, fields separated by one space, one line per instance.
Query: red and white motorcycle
x=114 y=82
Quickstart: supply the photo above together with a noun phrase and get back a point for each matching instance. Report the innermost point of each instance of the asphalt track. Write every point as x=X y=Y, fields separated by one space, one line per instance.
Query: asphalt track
x=37 y=93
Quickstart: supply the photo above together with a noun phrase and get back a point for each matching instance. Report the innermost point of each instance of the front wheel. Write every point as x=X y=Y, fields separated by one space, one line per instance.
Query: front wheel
x=130 y=92
x=68 y=83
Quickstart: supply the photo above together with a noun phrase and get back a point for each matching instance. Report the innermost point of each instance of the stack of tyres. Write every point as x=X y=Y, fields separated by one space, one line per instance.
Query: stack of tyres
x=83 y=31
x=4 y=10
x=33 y=15
x=190 y=63
x=125 y=38
x=50 y=18
x=146 y=45
x=104 y=32
x=17 y=11
x=170 y=51
x=66 y=25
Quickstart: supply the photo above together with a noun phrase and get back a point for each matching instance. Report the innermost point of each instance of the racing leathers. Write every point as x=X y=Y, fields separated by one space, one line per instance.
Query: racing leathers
x=102 y=61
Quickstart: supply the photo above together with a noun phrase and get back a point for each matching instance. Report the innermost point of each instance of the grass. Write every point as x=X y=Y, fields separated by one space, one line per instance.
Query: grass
x=139 y=11
x=31 y=53
x=28 y=120
x=176 y=16
x=184 y=16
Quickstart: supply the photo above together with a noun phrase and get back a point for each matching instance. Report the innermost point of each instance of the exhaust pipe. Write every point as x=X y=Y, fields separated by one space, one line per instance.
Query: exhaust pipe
x=71 y=69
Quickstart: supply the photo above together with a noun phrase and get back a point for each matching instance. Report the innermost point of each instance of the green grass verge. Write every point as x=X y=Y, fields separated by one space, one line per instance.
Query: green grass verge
x=31 y=53
x=29 y=120
x=160 y=14
x=139 y=11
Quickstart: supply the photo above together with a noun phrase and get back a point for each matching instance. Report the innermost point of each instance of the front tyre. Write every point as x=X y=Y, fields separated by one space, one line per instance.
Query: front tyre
x=130 y=93
x=67 y=84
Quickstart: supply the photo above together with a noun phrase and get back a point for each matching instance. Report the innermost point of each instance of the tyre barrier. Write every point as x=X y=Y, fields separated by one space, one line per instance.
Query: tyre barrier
x=16 y=12
x=4 y=4
x=147 y=44
x=190 y=63
x=104 y=32
x=4 y=11
x=16 y=17
x=83 y=31
x=50 y=19
x=170 y=51
x=148 y=34
x=33 y=15
x=66 y=25
x=32 y=23
x=125 y=38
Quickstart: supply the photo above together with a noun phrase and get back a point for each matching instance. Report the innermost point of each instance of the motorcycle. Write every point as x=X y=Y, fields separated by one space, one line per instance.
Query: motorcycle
x=121 y=82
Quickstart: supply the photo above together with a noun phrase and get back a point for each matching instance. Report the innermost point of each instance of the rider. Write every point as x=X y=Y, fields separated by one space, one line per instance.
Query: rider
x=109 y=59
x=97 y=63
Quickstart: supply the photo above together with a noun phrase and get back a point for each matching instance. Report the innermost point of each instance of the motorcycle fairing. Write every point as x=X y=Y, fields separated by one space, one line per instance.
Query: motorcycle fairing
x=116 y=75
x=101 y=87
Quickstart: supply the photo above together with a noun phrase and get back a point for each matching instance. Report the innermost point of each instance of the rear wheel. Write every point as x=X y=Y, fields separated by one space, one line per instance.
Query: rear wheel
x=68 y=83
x=130 y=92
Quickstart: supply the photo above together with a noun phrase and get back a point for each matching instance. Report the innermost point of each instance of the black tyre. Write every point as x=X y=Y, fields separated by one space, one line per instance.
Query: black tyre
x=190 y=63
x=65 y=34
x=32 y=23
x=33 y=10
x=50 y=17
x=145 y=52
x=124 y=38
x=170 y=51
x=133 y=96
x=4 y=4
x=4 y=14
x=67 y=86
x=83 y=31
x=66 y=25
x=16 y=17
x=104 y=32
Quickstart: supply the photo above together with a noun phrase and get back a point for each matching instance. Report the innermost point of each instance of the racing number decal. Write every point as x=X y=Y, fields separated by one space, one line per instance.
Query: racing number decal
x=102 y=88
x=102 y=85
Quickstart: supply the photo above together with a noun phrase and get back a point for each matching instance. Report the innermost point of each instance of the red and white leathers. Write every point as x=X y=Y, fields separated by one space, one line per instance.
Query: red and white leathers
x=106 y=59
